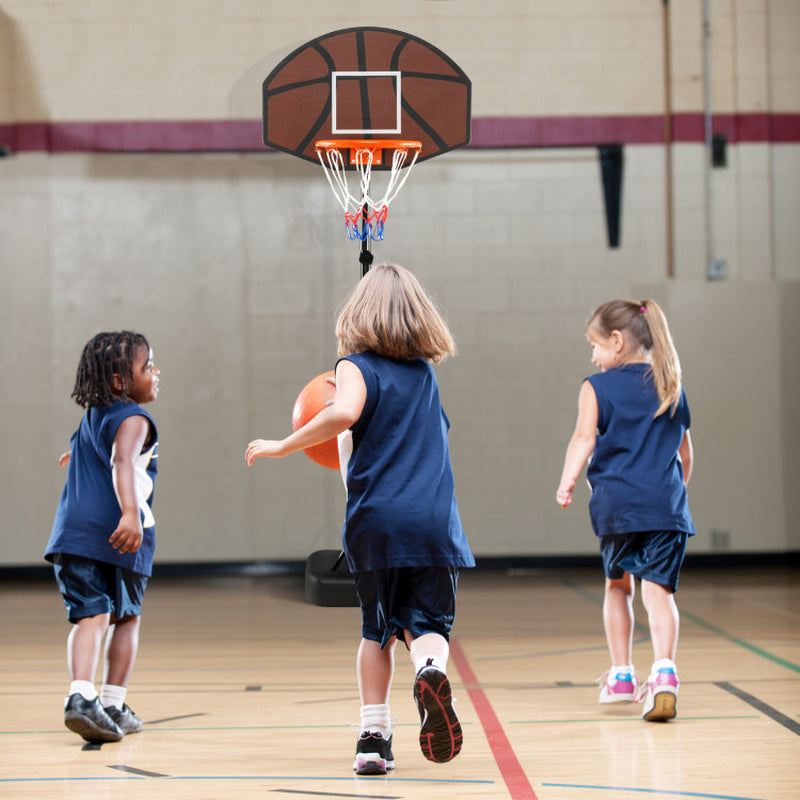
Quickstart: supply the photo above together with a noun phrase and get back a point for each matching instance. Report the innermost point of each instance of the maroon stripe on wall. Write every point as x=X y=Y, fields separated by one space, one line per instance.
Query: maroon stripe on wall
x=488 y=132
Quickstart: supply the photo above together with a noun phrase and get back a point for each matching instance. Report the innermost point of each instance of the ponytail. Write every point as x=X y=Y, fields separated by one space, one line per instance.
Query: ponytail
x=645 y=323
x=666 y=365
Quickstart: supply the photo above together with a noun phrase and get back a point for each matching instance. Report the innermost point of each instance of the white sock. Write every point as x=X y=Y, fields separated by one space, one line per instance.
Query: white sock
x=376 y=719
x=84 y=688
x=111 y=695
x=430 y=661
x=663 y=663
x=626 y=669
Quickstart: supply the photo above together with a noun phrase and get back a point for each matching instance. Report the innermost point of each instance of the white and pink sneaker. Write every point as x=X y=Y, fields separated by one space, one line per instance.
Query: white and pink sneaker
x=618 y=685
x=660 y=693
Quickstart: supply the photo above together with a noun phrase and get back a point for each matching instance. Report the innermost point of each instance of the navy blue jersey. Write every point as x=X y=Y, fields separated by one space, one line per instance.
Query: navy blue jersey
x=89 y=511
x=401 y=505
x=635 y=472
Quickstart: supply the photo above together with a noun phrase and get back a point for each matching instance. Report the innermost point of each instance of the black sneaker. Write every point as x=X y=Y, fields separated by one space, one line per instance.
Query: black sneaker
x=127 y=721
x=440 y=735
x=373 y=754
x=88 y=719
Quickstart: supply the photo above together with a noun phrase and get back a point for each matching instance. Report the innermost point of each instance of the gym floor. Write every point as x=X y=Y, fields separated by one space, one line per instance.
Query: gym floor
x=247 y=690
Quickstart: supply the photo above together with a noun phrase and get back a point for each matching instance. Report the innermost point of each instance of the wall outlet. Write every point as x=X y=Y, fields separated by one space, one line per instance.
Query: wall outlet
x=716 y=269
x=720 y=540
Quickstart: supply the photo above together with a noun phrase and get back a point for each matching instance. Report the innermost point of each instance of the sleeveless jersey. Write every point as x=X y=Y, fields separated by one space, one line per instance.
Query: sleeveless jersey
x=401 y=506
x=635 y=472
x=89 y=511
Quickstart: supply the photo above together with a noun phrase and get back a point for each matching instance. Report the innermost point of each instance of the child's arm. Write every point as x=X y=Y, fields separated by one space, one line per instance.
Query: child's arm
x=581 y=445
x=128 y=443
x=686 y=452
x=63 y=459
x=346 y=408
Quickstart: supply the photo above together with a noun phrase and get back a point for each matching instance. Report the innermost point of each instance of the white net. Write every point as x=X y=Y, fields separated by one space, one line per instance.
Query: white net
x=365 y=215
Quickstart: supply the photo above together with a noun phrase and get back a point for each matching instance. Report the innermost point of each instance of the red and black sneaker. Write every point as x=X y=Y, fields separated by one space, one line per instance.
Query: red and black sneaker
x=440 y=735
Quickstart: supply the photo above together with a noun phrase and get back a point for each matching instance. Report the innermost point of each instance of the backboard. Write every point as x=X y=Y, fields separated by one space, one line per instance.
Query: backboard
x=366 y=83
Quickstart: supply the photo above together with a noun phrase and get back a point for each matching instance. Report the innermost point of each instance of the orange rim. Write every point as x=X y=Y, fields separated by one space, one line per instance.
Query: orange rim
x=375 y=146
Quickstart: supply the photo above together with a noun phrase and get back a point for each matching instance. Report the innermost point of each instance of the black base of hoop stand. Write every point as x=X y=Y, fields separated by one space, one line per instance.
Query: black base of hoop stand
x=328 y=580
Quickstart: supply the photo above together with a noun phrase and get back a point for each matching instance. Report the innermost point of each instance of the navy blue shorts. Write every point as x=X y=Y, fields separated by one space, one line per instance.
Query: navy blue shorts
x=655 y=556
x=415 y=599
x=93 y=587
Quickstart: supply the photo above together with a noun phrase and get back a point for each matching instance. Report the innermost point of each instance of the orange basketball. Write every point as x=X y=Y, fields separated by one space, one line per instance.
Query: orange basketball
x=313 y=397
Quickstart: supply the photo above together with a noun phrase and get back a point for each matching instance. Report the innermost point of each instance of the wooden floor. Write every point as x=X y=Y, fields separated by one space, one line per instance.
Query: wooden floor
x=248 y=691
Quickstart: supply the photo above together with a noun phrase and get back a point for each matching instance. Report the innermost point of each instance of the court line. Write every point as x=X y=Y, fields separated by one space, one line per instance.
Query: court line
x=759 y=651
x=673 y=792
x=514 y=776
x=134 y=771
x=173 y=719
x=570 y=651
x=298 y=779
x=637 y=719
x=761 y=706
x=306 y=793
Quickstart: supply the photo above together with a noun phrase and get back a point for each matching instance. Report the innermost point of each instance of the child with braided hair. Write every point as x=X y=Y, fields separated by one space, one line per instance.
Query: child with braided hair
x=633 y=422
x=103 y=537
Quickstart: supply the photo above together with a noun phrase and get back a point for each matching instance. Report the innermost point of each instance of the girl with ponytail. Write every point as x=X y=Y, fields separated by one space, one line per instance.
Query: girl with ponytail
x=633 y=429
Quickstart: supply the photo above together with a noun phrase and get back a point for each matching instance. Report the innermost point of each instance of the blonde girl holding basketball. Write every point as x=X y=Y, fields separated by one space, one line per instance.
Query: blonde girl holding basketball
x=402 y=534
x=633 y=429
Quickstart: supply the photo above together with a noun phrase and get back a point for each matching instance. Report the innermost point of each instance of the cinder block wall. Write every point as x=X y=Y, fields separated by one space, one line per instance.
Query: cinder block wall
x=234 y=264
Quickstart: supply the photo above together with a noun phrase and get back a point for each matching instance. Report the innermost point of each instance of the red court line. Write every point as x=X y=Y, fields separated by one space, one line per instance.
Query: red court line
x=516 y=781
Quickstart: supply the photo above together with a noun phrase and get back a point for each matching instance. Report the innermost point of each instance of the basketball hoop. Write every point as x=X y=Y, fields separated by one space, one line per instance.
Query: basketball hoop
x=364 y=216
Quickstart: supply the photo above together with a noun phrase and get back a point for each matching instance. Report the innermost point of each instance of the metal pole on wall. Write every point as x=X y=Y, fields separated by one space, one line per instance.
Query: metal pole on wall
x=716 y=268
x=669 y=233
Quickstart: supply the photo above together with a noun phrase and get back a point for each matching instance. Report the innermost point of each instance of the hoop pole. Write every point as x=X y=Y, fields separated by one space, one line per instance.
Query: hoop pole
x=365 y=258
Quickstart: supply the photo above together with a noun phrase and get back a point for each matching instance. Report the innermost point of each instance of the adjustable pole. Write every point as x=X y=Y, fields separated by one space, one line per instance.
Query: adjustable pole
x=365 y=258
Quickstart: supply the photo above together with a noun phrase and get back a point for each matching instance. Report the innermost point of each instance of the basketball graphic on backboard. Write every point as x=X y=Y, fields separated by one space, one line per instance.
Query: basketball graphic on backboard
x=366 y=83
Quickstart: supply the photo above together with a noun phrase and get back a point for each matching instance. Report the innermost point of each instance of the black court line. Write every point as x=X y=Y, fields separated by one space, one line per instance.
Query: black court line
x=761 y=706
x=172 y=719
x=337 y=794
x=317 y=701
x=143 y=772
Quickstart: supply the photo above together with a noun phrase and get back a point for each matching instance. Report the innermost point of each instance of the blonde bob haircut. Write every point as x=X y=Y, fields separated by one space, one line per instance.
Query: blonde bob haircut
x=388 y=313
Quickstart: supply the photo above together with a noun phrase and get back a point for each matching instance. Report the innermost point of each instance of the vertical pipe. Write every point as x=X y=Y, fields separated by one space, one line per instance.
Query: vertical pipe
x=668 y=139
x=708 y=131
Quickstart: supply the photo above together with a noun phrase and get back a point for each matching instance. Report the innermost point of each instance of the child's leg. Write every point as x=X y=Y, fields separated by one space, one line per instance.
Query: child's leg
x=83 y=647
x=618 y=618
x=440 y=735
x=619 y=684
x=430 y=648
x=661 y=697
x=663 y=618
x=122 y=644
x=375 y=670
x=83 y=711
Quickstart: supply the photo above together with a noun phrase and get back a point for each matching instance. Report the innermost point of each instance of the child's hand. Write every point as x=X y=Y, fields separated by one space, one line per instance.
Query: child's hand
x=63 y=459
x=564 y=494
x=127 y=538
x=260 y=448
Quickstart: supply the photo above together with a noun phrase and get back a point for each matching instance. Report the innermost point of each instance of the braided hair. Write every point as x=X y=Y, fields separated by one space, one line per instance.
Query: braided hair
x=105 y=356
